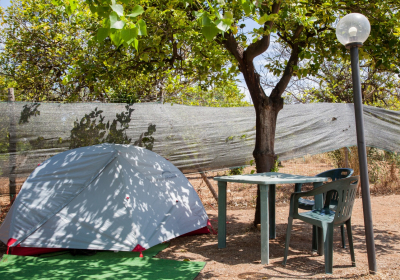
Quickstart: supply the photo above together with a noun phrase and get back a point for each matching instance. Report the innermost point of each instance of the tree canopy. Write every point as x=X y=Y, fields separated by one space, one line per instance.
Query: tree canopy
x=333 y=84
x=52 y=54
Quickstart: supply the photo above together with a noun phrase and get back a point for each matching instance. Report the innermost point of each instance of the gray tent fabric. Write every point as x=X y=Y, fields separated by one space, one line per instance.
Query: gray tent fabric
x=103 y=197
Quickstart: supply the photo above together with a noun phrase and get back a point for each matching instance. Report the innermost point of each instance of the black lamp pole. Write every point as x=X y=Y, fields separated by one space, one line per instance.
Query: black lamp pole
x=362 y=156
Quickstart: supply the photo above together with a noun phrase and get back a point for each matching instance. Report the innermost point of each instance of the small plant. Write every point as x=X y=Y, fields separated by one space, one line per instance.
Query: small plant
x=276 y=165
x=236 y=170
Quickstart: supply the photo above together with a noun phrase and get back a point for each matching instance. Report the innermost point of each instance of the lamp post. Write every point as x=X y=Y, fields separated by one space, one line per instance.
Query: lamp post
x=352 y=31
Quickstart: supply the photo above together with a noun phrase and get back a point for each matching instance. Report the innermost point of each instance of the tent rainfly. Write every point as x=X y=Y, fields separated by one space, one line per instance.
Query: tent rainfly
x=102 y=197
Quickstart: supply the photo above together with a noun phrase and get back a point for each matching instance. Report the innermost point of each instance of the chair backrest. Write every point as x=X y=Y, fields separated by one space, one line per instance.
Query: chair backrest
x=343 y=193
x=336 y=174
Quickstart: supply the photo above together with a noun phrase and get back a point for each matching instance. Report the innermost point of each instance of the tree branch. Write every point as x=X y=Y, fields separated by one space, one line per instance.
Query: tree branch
x=288 y=73
x=257 y=48
x=230 y=43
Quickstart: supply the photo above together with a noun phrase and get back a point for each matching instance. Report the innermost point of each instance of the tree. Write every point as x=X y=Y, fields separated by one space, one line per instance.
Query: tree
x=305 y=28
x=379 y=89
x=333 y=83
x=51 y=54
x=224 y=95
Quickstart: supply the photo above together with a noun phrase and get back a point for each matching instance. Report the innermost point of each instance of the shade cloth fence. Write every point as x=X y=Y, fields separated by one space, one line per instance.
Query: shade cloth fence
x=193 y=138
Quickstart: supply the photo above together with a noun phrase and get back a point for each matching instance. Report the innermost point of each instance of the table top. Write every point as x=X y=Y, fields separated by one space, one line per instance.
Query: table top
x=269 y=178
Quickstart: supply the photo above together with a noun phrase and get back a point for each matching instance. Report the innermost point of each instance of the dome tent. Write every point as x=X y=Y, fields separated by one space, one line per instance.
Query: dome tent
x=103 y=197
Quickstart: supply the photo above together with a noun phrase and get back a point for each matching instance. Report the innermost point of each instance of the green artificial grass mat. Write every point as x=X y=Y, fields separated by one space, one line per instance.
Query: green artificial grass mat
x=151 y=252
x=20 y=267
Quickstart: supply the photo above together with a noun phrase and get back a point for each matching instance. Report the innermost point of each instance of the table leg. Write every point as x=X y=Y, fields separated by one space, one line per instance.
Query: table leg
x=222 y=214
x=272 y=214
x=319 y=204
x=264 y=224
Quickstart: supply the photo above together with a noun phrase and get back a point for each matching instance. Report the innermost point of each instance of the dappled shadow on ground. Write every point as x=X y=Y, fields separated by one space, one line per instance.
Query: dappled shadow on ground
x=241 y=258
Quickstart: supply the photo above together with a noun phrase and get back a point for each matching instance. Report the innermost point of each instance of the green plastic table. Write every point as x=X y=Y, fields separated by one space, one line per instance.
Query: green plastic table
x=267 y=182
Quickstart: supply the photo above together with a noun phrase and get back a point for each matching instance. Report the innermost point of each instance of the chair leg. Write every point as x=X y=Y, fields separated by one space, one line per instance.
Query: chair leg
x=328 y=246
x=288 y=232
x=314 y=239
x=343 y=236
x=350 y=237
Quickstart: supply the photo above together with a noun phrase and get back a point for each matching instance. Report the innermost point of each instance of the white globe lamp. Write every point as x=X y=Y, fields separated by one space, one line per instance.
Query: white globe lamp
x=353 y=29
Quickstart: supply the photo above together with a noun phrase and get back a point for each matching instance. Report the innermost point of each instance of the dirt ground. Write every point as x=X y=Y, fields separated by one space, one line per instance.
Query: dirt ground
x=241 y=258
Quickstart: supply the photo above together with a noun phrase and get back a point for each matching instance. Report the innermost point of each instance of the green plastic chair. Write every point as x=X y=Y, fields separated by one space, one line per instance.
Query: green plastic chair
x=343 y=192
x=307 y=204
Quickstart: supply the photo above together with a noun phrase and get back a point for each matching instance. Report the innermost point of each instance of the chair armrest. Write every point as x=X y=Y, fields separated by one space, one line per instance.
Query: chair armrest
x=319 y=190
x=294 y=198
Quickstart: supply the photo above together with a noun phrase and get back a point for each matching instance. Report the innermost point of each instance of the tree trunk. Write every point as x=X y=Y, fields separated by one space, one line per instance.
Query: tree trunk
x=264 y=151
x=267 y=109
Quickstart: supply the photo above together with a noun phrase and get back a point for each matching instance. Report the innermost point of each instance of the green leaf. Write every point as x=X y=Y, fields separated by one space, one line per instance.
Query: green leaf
x=210 y=31
x=222 y=25
x=142 y=27
x=118 y=9
x=266 y=18
x=128 y=35
x=206 y=21
x=102 y=11
x=262 y=19
x=228 y=15
x=312 y=19
x=65 y=81
x=73 y=4
x=115 y=22
x=246 y=7
x=135 y=43
x=137 y=10
x=102 y=33
x=71 y=7
x=116 y=38
x=93 y=8
x=113 y=18
x=118 y=24
x=198 y=14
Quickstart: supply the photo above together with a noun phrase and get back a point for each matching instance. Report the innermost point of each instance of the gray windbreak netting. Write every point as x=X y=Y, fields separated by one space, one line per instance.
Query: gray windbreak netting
x=193 y=138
